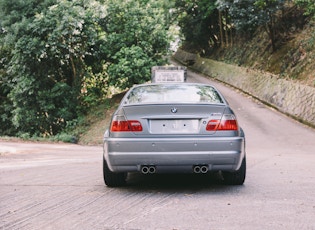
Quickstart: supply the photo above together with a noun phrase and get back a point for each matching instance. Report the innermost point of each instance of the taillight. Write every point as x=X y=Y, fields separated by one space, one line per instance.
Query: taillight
x=126 y=126
x=135 y=126
x=227 y=122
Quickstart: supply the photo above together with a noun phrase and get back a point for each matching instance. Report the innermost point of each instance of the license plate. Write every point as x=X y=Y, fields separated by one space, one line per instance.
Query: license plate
x=174 y=126
x=167 y=76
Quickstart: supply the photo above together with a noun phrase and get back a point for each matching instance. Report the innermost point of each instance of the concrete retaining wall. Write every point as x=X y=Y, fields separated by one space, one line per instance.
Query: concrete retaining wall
x=289 y=97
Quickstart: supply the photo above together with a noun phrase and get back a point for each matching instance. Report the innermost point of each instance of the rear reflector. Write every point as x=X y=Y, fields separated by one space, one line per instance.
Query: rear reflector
x=227 y=122
x=126 y=126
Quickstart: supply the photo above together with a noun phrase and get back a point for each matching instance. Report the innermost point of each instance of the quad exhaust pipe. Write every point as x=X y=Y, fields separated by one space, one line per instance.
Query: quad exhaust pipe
x=151 y=169
x=148 y=169
x=201 y=169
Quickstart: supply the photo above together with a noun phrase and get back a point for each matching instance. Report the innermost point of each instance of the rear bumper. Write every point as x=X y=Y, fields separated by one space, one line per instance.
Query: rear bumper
x=174 y=154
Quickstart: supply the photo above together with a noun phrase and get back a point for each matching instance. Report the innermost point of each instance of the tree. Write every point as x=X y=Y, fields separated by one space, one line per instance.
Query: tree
x=5 y=104
x=48 y=65
x=60 y=56
x=136 y=38
x=15 y=16
x=267 y=10
x=225 y=24
x=131 y=64
x=198 y=20
x=248 y=15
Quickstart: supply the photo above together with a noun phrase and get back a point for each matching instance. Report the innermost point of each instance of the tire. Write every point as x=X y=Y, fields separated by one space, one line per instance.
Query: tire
x=236 y=178
x=112 y=179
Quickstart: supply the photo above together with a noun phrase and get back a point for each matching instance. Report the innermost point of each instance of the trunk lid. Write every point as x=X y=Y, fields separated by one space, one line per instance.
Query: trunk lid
x=174 y=119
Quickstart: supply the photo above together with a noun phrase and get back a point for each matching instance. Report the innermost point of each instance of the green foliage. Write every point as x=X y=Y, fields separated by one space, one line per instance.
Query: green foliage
x=249 y=14
x=60 y=57
x=131 y=27
x=198 y=21
x=308 y=5
x=48 y=64
x=65 y=137
x=5 y=104
x=95 y=87
x=214 y=23
x=39 y=110
x=134 y=23
x=132 y=66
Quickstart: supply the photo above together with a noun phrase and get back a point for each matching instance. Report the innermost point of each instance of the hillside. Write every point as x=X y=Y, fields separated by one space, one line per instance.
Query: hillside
x=293 y=59
x=97 y=121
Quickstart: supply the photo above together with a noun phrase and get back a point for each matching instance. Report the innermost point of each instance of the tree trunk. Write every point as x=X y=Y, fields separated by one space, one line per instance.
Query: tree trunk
x=226 y=29
x=221 y=29
x=271 y=32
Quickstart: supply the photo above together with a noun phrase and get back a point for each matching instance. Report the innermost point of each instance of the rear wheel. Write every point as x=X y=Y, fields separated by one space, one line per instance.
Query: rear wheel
x=113 y=179
x=236 y=178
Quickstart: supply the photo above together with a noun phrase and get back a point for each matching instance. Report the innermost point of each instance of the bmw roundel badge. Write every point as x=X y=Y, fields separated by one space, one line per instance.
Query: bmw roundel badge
x=174 y=110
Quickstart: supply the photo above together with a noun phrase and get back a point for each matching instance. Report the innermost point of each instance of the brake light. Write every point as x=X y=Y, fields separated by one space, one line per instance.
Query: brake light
x=212 y=125
x=227 y=122
x=126 y=126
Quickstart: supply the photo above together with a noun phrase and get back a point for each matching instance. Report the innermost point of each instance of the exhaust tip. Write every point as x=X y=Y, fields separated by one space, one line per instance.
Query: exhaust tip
x=197 y=169
x=152 y=169
x=204 y=169
x=201 y=169
x=145 y=169
x=148 y=169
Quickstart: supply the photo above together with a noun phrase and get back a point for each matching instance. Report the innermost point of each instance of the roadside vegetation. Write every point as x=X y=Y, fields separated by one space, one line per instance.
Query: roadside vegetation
x=270 y=35
x=62 y=61
x=59 y=58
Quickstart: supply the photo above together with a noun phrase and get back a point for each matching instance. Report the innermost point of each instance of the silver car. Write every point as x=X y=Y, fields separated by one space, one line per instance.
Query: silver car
x=174 y=127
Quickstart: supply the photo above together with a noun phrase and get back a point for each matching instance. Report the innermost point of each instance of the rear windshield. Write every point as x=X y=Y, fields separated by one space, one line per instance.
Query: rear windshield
x=173 y=93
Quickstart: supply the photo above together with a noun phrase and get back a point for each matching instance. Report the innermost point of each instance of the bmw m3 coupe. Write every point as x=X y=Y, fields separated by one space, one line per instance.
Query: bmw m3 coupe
x=174 y=127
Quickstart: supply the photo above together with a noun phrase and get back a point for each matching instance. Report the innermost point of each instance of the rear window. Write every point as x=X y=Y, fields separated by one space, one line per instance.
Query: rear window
x=173 y=93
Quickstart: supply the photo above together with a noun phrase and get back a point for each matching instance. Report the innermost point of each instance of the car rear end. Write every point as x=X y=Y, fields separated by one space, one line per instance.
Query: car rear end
x=165 y=134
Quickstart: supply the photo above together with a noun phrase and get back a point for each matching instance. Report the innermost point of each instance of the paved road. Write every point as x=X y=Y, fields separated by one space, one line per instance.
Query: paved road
x=59 y=186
